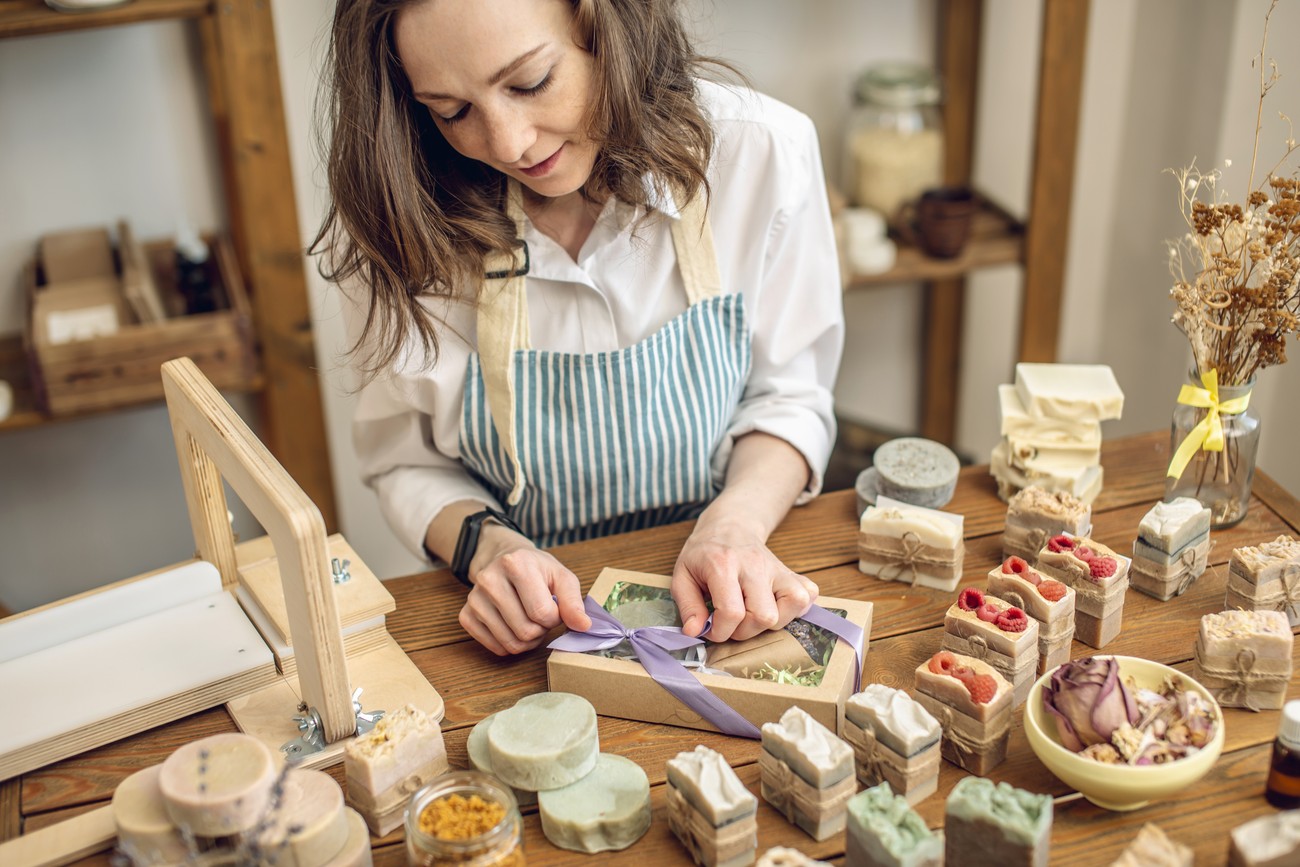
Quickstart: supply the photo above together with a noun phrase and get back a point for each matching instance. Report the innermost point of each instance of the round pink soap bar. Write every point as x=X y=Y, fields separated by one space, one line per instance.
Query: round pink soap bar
x=218 y=786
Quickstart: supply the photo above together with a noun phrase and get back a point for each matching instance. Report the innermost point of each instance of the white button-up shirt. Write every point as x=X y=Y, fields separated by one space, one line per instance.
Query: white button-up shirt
x=772 y=231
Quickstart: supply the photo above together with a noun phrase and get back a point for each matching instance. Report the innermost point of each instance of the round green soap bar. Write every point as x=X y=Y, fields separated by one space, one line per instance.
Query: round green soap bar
x=546 y=741
x=609 y=809
x=481 y=760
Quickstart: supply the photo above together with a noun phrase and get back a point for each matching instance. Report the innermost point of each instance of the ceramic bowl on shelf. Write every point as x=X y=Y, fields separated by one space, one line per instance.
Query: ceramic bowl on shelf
x=1121 y=787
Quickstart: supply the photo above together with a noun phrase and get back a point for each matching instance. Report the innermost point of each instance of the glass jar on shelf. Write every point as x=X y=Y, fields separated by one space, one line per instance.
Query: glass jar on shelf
x=464 y=818
x=893 y=148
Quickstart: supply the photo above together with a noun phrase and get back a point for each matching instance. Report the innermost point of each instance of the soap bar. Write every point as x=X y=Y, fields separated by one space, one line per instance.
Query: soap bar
x=1079 y=393
x=893 y=519
x=404 y=742
x=784 y=856
x=894 y=718
x=608 y=809
x=1083 y=562
x=996 y=824
x=810 y=749
x=546 y=741
x=356 y=848
x=711 y=786
x=948 y=690
x=917 y=471
x=310 y=826
x=884 y=831
x=1269 y=841
x=1194 y=552
x=1152 y=848
x=1054 y=615
x=1003 y=627
x=1020 y=425
x=1267 y=634
x=1081 y=482
x=144 y=830
x=481 y=759
x=1263 y=563
x=219 y=785
x=1051 y=511
x=1033 y=459
x=1171 y=527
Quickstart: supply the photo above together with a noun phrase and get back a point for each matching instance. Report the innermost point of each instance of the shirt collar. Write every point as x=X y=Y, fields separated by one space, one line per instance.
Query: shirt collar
x=660 y=198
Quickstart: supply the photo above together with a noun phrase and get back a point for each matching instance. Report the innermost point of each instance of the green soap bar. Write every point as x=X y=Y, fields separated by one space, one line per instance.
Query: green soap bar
x=1023 y=817
x=481 y=760
x=884 y=830
x=609 y=809
x=546 y=741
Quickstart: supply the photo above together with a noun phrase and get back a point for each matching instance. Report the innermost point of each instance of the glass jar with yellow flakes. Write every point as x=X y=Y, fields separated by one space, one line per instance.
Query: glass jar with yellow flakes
x=467 y=819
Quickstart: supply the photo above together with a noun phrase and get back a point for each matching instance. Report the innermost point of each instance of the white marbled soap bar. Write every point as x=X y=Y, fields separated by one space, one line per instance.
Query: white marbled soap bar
x=1020 y=425
x=1170 y=527
x=711 y=786
x=1079 y=393
x=894 y=718
x=546 y=741
x=219 y=785
x=893 y=519
x=144 y=830
x=810 y=749
x=608 y=809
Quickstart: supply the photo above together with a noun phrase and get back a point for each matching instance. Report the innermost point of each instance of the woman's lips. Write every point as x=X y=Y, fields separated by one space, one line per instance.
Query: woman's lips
x=536 y=171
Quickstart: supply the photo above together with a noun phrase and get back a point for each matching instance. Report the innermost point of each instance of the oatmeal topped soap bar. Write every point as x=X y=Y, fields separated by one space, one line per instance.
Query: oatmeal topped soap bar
x=1265 y=633
x=1268 y=561
x=894 y=718
x=1053 y=511
x=1079 y=393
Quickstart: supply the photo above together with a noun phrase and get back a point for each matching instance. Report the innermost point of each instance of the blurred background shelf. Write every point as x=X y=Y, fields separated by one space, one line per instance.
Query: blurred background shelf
x=33 y=17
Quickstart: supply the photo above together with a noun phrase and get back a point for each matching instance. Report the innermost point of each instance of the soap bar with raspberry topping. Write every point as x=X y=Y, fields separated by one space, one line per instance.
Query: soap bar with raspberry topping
x=1004 y=628
x=991 y=695
x=1046 y=600
x=1084 y=563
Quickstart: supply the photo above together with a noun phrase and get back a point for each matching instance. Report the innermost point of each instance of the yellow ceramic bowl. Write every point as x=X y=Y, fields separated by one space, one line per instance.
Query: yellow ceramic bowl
x=1120 y=787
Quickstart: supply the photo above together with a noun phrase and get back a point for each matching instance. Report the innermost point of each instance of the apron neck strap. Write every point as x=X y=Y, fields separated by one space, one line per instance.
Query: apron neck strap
x=696 y=257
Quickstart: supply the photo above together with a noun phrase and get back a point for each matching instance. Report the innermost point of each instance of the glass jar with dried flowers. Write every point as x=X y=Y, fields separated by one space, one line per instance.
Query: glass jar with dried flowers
x=1236 y=274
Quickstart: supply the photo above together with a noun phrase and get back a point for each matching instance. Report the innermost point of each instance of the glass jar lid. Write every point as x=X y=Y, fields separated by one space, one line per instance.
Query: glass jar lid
x=898 y=85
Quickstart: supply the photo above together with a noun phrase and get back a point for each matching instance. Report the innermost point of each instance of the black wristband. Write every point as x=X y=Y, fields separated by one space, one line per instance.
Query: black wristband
x=467 y=541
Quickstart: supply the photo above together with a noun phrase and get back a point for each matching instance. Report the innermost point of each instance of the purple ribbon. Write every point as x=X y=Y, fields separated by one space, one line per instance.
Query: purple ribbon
x=653 y=645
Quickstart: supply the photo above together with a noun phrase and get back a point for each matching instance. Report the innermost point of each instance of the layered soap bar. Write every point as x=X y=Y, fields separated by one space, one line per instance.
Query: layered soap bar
x=998 y=625
x=996 y=825
x=981 y=695
x=145 y=833
x=1269 y=841
x=892 y=519
x=1033 y=459
x=546 y=741
x=607 y=809
x=884 y=831
x=218 y=786
x=894 y=718
x=405 y=744
x=1084 y=564
x=1018 y=424
x=1153 y=848
x=710 y=786
x=1170 y=527
x=809 y=748
x=916 y=471
x=1077 y=393
x=900 y=542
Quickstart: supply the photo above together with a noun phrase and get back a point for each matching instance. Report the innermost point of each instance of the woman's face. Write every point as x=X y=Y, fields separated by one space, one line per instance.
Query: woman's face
x=506 y=85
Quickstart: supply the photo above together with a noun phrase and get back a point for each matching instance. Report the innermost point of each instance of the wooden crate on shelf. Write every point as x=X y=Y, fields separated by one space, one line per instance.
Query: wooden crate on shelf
x=123 y=368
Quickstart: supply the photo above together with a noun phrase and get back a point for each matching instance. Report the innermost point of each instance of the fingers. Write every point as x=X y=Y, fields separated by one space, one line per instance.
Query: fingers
x=690 y=601
x=794 y=594
x=761 y=610
x=568 y=597
x=729 y=602
x=510 y=609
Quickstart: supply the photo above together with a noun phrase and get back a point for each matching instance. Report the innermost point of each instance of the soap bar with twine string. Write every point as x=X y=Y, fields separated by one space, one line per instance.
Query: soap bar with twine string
x=901 y=542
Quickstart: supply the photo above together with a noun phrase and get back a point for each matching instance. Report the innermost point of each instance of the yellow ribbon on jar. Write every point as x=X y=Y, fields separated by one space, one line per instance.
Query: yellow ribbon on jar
x=1208 y=433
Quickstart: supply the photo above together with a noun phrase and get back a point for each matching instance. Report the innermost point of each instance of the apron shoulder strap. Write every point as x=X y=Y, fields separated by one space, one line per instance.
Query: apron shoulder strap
x=696 y=257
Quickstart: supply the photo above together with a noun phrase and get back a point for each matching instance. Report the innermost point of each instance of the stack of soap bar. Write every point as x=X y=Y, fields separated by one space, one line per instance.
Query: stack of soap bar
x=1269 y=841
x=1171 y=549
x=807 y=773
x=1035 y=515
x=218 y=786
x=310 y=827
x=884 y=831
x=997 y=632
x=894 y=740
x=481 y=760
x=1266 y=577
x=972 y=702
x=916 y=471
x=1244 y=658
x=1098 y=575
x=996 y=825
x=391 y=762
x=608 y=809
x=1051 y=428
x=1152 y=848
x=145 y=833
x=710 y=811
x=900 y=542
x=1047 y=601
x=784 y=856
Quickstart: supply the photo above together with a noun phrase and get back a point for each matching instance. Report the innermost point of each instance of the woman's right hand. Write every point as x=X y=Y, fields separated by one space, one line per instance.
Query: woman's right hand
x=520 y=593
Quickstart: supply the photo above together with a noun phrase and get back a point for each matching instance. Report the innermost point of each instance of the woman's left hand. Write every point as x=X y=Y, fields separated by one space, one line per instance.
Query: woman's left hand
x=727 y=561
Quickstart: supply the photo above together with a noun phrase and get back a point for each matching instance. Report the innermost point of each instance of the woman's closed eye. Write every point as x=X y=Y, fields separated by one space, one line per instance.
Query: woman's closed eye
x=532 y=90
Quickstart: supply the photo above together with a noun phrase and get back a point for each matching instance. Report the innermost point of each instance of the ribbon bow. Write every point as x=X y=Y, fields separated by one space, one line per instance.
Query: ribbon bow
x=1208 y=433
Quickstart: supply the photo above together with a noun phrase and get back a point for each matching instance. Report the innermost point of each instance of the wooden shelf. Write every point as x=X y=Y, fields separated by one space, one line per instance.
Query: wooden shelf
x=13 y=370
x=997 y=238
x=33 y=17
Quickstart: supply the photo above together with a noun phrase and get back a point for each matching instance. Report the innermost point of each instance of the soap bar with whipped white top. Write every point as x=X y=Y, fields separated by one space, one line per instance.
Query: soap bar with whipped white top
x=219 y=785
x=1269 y=841
x=480 y=758
x=144 y=830
x=1171 y=527
x=1153 y=848
x=916 y=471
x=711 y=786
x=894 y=718
x=884 y=831
x=546 y=741
x=989 y=824
x=810 y=749
x=1078 y=393
x=608 y=809
x=310 y=825
x=404 y=742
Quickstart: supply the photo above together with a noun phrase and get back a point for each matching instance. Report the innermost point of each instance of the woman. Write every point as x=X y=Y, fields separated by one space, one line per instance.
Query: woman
x=660 y=346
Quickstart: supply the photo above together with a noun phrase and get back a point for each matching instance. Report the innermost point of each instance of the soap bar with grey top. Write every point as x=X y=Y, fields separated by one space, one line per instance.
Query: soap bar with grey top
x=916 y=471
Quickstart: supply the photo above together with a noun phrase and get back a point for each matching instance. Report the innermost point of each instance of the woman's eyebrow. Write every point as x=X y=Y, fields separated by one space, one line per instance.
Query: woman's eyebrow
x=500 y=74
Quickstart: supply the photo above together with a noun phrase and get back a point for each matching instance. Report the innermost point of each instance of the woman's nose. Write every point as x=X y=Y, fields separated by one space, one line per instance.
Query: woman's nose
x=509 y=134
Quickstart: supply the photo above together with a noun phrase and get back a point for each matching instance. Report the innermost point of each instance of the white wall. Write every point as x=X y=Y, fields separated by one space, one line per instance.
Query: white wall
x=112 y=123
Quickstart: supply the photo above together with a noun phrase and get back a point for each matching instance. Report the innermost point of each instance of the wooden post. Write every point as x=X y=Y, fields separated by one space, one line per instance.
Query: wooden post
x=244 y=83
x=1060 y=89
x=212 y=443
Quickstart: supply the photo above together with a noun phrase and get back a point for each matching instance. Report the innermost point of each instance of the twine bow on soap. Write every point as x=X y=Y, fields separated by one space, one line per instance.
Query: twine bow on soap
x=905 y=562
x=1242 y=677
x=1208 y=432
x=1189 y=561
x=866 y=749
x=1290 y=590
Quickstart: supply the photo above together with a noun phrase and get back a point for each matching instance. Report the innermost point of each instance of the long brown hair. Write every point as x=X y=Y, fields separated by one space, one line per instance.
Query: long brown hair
x=410 y=218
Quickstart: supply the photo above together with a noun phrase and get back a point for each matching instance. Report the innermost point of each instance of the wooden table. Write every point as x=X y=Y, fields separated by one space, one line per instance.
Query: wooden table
x=817 y=540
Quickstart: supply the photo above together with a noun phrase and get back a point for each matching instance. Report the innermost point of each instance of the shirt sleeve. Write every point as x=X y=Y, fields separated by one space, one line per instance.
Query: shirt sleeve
x=405 y=431
x=797 y=307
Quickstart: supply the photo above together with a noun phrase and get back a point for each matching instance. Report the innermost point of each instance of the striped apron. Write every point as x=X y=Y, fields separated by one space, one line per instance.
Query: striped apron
x=585 y=445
